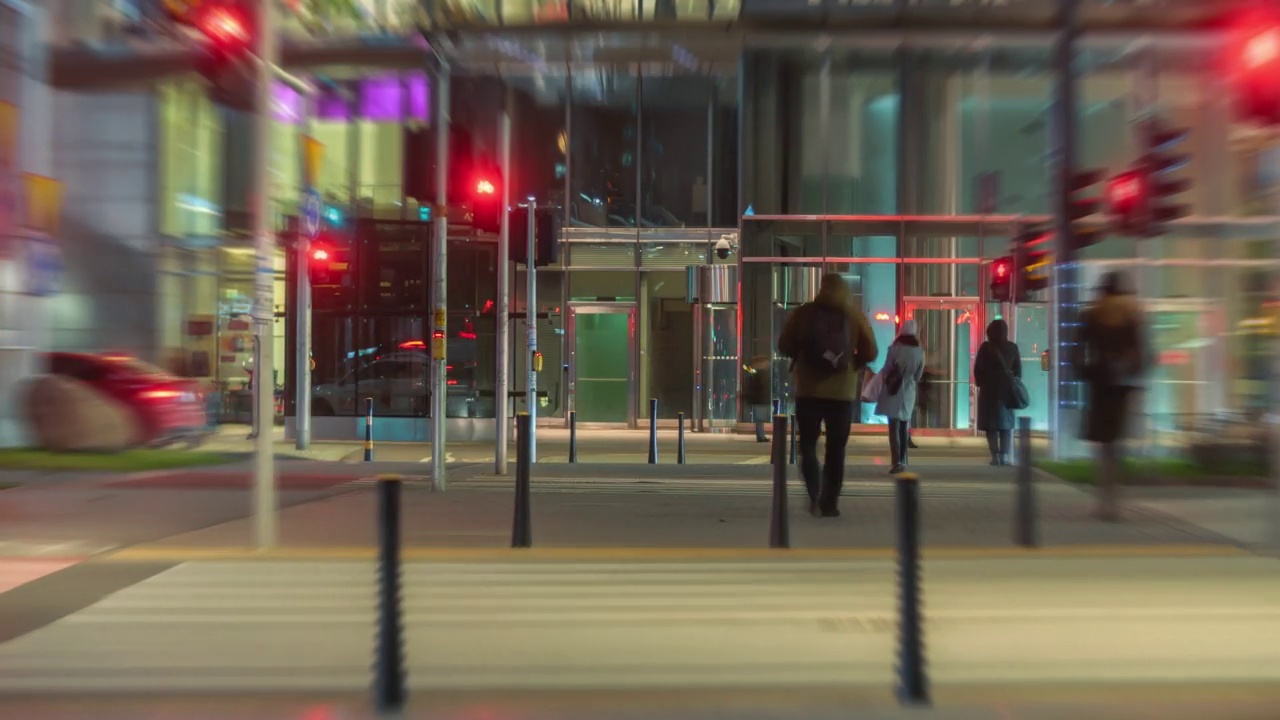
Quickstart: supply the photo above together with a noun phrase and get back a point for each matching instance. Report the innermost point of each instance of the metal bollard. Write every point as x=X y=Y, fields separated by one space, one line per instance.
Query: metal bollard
x=793 y=439
x=573 y=436
x=913 y=685
x=389 y=662
x=1024 y=512
x=368 y=430
x=653 y=431
x=779 y=528
x=521 y=527
x=680 y=439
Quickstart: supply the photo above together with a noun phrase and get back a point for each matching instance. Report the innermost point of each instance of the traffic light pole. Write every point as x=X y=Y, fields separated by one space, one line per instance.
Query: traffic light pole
x=439 y=330
x=302 y=357
x=264 y=480
x=501 y=384
x=531 y=329
x=1063 y=393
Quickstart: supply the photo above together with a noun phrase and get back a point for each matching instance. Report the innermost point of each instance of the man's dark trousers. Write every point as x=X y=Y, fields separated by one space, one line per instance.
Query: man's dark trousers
x=811 y=415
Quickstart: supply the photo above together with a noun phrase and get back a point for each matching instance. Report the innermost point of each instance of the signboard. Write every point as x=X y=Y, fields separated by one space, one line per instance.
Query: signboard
x=264 y=286
x=312 y=210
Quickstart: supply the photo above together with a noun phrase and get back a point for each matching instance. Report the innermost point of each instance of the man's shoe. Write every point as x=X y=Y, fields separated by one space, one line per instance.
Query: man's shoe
x=912 y=444
x=831 y=512
x=897 y=469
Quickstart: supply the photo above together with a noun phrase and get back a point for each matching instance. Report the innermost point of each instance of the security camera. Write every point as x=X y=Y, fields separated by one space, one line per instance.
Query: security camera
x=725 y=247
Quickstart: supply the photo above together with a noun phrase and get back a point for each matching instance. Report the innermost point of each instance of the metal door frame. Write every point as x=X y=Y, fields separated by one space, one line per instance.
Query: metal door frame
x=571 y=331
x=977 y=311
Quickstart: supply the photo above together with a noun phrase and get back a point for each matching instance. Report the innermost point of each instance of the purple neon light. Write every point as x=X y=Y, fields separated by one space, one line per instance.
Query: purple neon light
x=382 y=99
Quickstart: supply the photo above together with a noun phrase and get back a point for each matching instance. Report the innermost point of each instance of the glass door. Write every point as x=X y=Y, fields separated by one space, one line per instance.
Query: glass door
x=602 y=371
x=720 y=366
x=950 y=331
x=1183 y=390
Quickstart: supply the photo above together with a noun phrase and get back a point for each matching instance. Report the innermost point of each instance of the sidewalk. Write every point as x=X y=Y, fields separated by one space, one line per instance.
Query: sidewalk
x=599 y=446
x=692 y=507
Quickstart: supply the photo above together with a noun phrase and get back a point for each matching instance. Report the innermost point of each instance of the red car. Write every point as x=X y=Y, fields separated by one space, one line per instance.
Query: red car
x=168 y=408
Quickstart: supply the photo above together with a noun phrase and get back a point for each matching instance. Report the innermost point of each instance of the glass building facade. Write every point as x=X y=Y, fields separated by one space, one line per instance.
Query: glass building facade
x=902 y=168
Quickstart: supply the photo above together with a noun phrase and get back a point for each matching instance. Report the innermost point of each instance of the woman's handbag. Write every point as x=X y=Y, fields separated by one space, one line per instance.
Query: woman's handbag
x=871 y=387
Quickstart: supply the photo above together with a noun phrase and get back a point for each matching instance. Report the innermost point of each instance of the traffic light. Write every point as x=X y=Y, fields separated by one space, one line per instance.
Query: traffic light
x=1033 y=258
x=1253 y=64
x=1002 y=279
x=1128 y=199
x=226 y=28
x=486 y=203
x=1161 y=164
x=546 y=235
x=1081 y=205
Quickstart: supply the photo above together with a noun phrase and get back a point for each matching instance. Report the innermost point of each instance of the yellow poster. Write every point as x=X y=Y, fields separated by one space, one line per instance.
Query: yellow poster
x=44 y=204
x=8 y=134
x=312 y=156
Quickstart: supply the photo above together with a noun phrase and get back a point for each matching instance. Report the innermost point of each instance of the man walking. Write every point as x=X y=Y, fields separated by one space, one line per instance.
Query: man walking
x=829 y=342
x=1112 y=357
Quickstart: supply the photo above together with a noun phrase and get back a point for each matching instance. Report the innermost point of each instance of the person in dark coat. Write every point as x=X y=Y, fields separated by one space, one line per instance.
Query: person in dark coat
x=997 y=358
x=1112 y=357
x=755 y=393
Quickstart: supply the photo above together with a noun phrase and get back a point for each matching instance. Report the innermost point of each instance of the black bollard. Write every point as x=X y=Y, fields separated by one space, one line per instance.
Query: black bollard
x=521 y=527
x=653 y=431
x=573 y=436
x=680 y=439
x=779 y=528
x=793 y=439
x=913 y=685
x=1024 y=513
x=368 y=430
x=389 y=664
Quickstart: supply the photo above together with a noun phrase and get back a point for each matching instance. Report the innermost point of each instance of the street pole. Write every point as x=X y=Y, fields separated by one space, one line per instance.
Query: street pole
x=531 y=329
x=439 y=381
x=302 y=357
x=503 y=354
x=264 y=480
x=1063 y=390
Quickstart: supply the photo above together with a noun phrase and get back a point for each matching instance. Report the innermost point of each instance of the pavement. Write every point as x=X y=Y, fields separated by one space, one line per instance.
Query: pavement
x=594 y=446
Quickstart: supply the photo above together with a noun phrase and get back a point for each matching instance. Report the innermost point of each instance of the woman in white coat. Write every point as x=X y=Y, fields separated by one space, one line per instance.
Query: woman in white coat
x=903 y=368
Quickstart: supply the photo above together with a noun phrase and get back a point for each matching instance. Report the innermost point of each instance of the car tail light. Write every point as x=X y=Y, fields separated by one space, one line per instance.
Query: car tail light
x=160 y=394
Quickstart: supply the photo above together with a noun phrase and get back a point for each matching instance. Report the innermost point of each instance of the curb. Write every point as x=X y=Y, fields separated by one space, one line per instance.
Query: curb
x=232 y=553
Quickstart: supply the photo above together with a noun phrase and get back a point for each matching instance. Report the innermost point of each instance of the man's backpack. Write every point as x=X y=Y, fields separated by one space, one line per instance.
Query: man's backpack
x=828 y=344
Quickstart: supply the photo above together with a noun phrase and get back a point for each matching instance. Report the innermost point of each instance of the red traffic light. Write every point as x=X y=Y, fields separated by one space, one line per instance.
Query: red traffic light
x=1261 y=49
x=1001 y=269
x=226 y=27
x=1125 y=192
x=484 y=186
x=320 y=255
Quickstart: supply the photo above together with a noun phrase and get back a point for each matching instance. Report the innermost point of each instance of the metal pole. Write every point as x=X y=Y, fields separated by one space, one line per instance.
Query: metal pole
x=573 y=436
x=439 y=386
x=1024 y=528
x=388 y=682
x=792 y=426
x=264 y=480
x=501 y=385
x=913 y=685
x=680 y=439
x=779 y=528
x=1063 y=393
x=521 y=523
x=653 y=431
x=368 y=429
x=302 y=360
x=531 y=330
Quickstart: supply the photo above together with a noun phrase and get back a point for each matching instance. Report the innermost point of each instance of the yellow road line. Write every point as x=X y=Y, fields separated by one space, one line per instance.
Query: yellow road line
x=180 y=554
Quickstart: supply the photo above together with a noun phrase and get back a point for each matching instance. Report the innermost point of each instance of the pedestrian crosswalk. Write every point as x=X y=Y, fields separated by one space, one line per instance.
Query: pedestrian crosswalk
x=308 y=626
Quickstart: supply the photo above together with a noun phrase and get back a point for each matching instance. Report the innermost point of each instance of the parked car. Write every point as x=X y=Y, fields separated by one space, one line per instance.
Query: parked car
x=399 y=385
x=168 y=408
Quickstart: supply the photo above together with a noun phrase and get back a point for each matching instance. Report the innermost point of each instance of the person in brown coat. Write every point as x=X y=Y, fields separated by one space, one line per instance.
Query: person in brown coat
x=1112 y=358
x=829 y=342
